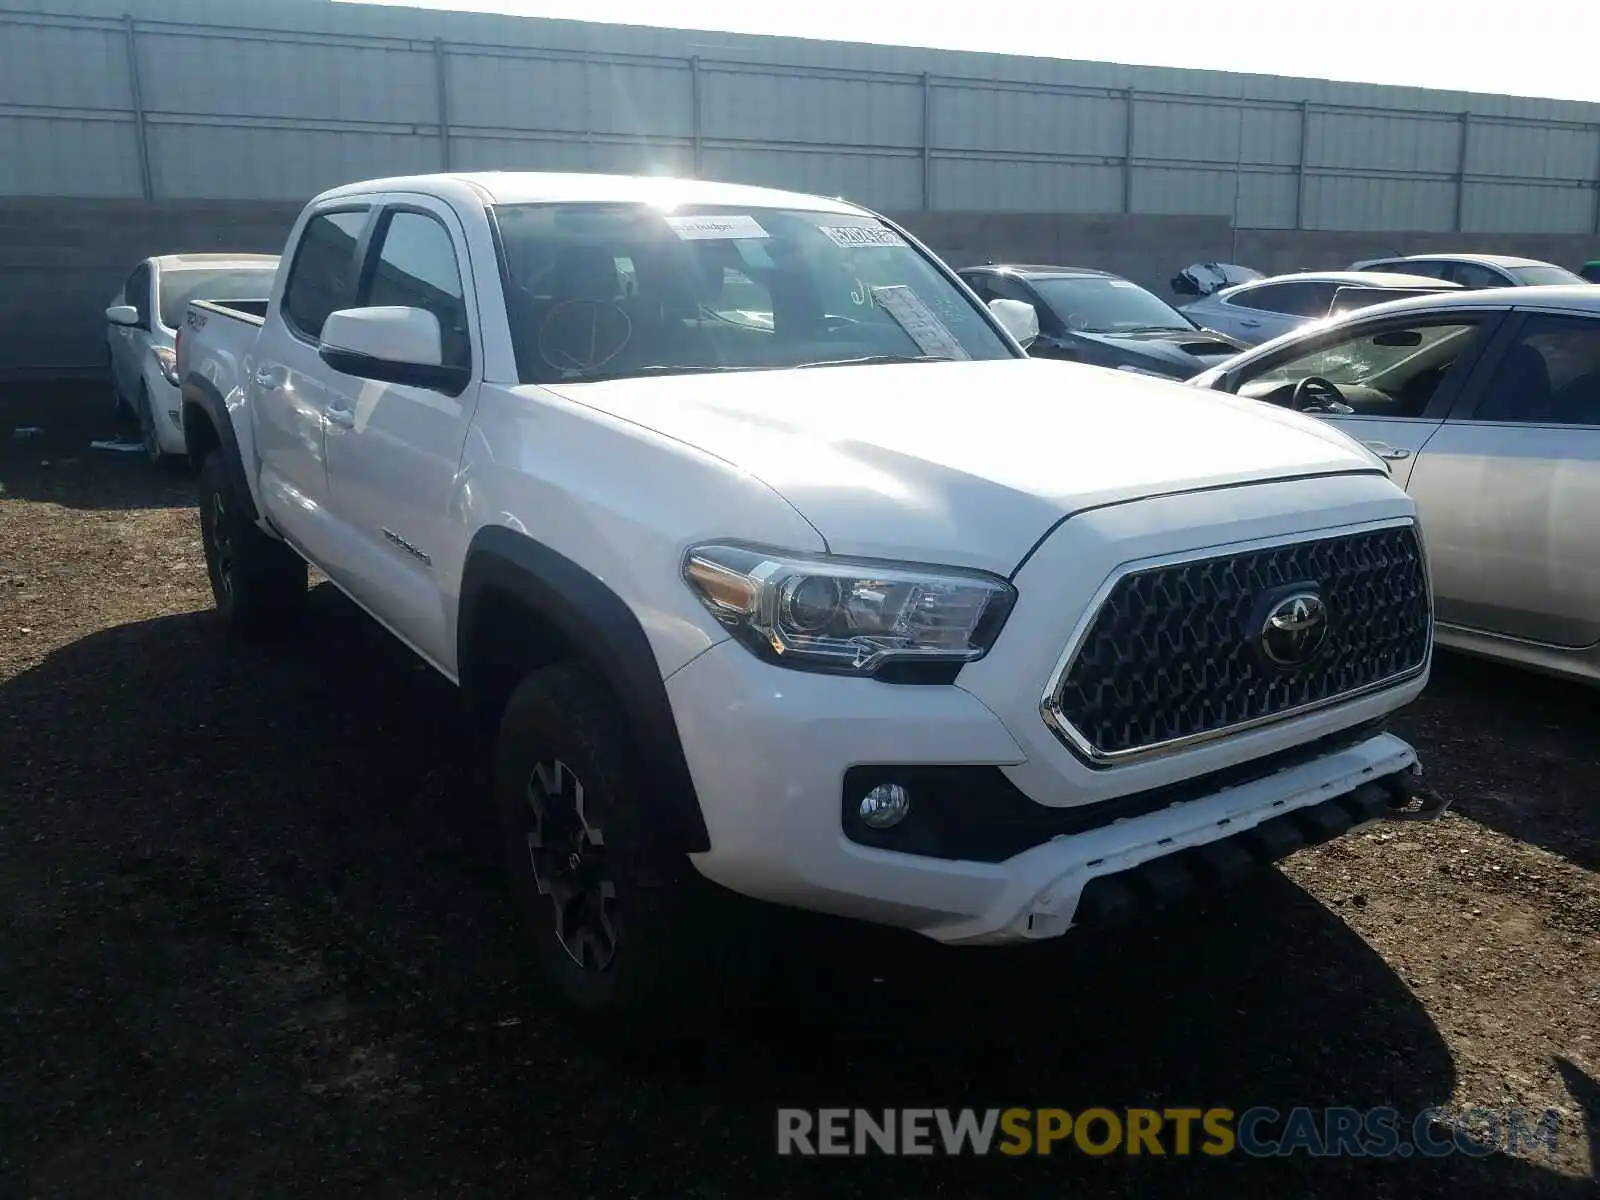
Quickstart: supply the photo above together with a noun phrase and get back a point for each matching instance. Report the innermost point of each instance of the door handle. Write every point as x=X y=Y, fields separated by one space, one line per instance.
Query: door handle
x=271 y=378
x=1251 y=324
x=344 y=418
x=1384 y=450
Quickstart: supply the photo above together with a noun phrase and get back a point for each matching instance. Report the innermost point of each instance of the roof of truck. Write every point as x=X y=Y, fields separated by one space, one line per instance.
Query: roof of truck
x=536 y=187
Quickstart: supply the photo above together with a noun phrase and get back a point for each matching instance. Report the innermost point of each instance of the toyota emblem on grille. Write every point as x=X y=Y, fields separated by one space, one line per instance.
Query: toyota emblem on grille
x=1295 y=629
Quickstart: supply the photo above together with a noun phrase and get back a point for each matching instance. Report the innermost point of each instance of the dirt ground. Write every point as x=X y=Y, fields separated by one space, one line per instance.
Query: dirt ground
x=255 y=942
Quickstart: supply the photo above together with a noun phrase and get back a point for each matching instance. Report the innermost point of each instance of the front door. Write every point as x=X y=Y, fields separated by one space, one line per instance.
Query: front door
x=292 y=390
x=393 y=457
x=1509 y=488
x=1397 y=375
x=128 y=343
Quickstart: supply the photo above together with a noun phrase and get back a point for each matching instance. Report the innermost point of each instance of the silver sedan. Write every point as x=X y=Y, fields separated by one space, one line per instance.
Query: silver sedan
x=1486 y=406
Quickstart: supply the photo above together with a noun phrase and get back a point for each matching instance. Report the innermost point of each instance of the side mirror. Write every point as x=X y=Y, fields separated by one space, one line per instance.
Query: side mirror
x=1018 y=319
x=123 y=314
x=392 y=345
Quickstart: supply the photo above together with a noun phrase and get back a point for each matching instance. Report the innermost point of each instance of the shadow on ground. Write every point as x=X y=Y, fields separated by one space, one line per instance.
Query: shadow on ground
x=1515 y=751
x=46 y=431
x=255 y=943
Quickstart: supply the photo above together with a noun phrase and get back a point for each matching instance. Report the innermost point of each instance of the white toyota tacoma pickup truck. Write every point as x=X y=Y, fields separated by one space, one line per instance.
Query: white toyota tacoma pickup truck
x=765 y=556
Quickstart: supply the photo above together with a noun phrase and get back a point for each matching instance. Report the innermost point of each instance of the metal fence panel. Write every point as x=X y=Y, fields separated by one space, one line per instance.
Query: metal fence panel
x=233 y=98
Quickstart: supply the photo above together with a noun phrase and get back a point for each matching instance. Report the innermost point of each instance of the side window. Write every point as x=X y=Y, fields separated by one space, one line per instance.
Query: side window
x=1471 y=275
x=1428 y=268
x=322 y=276
x=137 y=293
x=979 y=282
x=1299 y=299
x=1551 y=374
x=1392 y=372
x=416 y=268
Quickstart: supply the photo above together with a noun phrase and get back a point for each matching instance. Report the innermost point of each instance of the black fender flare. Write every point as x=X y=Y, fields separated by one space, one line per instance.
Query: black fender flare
x=200 y=393
x=595 y=621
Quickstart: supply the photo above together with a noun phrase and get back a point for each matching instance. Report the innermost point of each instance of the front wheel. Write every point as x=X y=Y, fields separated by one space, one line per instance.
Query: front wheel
x=150 y=439
x=618 y=926
x=257 y=583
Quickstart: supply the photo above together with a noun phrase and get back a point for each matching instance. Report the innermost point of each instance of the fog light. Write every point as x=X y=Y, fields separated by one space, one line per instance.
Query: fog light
x=885 y=806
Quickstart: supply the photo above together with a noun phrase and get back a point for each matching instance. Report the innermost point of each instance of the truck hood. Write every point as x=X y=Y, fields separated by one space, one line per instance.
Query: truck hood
x=970 y=463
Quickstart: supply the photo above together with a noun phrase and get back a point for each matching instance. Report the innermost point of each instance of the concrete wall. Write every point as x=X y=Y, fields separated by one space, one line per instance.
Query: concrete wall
x=62 y=259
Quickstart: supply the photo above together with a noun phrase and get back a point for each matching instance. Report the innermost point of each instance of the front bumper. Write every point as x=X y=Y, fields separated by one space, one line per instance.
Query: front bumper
x=772 y=751
x=772 y=804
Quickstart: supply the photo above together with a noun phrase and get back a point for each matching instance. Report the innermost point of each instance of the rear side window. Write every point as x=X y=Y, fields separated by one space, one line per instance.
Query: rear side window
x=1299 y=299
x=1471 y=275
x=416 y=268
x=322 y=277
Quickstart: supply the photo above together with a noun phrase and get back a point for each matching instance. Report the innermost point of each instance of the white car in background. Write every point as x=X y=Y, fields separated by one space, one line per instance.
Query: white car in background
x=1475 y=270
x=1262 y=309
x=141 y=325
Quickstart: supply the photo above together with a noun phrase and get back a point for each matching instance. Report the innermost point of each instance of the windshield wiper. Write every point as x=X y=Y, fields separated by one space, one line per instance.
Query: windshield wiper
x=869 y=359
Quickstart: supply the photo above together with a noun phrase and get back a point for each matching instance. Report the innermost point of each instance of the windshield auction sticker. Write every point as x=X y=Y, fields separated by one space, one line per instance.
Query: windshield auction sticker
x=700 y=229
x=848 y=237
x=930 y=334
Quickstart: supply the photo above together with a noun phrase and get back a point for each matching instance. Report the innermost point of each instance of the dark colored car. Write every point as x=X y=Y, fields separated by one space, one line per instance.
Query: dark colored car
x=1590 y=271
x=1101 y=319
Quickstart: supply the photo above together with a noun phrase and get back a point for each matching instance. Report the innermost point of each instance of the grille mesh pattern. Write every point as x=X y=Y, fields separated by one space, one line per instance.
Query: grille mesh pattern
x=1172 y=652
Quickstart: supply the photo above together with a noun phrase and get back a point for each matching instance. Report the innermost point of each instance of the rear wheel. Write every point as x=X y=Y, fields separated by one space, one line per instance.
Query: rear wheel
x=148 y=436
x=257 y=583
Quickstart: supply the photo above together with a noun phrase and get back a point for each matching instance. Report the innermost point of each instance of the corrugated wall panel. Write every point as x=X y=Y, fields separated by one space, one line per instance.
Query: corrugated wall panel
x=247 y=76
x=358 y=85
x=997 y=185
x=795 y=108
x=54 y=67
x=1527 y=208
x=277 y=164
x=1353 y=202
x=65 y=157
x=1383 y=143
x=1496 y=148
x=875 y=180
x=499 y=91
x=1026 y=122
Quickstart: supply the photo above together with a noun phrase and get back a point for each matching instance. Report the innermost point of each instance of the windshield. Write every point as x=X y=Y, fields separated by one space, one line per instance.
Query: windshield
x=183 y=284
x=1096 y=304
x=1534 y=276
x=602 y=291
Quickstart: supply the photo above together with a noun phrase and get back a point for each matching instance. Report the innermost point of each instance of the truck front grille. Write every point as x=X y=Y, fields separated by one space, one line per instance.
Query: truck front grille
x=1175 y=653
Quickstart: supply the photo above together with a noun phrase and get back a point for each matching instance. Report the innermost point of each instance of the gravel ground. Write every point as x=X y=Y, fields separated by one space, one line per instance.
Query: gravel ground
x=254 y=941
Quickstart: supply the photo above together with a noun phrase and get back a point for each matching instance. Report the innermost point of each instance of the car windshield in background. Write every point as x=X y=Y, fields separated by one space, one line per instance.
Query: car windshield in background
x=1535 y=276
x=604 y=291
x=183 y=284
x=1095 y=304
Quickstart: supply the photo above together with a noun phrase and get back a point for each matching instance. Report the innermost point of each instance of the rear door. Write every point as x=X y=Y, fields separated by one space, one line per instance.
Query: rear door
x=1510 y=487
x=292 y=390
x=1259 y=312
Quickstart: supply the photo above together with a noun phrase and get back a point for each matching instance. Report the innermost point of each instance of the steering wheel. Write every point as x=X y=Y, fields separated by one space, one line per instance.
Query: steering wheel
x=1316 y=394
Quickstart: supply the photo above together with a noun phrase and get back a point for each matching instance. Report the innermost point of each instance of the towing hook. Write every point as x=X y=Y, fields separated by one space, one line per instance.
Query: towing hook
x=1410 y=799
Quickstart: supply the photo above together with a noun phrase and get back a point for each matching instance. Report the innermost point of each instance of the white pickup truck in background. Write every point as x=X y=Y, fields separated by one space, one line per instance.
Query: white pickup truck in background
x=766 y=557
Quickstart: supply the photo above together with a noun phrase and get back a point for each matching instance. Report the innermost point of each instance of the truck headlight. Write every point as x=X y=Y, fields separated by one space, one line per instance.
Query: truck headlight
x=847 y=615
x=168 y=360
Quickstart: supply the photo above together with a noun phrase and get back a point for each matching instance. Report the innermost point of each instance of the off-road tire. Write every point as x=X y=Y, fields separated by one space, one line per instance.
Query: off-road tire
x=680 y=944
x=258 y=584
